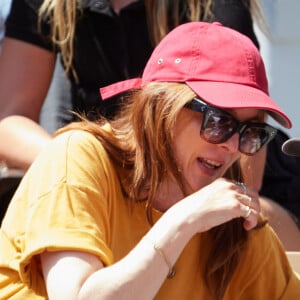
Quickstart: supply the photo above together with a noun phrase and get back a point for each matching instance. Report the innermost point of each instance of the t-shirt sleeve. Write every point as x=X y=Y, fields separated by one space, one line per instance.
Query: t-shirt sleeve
x=63 y=202
x=22 y=24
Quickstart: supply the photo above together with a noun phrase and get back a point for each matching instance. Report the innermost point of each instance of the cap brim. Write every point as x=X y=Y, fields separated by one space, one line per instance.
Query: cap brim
x=292 y=147
x=120 y=87
x=221 y=94
x=232 y=95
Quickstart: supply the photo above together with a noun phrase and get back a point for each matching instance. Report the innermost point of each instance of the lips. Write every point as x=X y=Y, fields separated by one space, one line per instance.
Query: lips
x=210 y=164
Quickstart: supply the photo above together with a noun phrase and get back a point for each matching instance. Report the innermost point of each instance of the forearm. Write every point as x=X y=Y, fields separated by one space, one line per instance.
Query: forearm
x=21 y=141
x=141 y=273
x=25 y=75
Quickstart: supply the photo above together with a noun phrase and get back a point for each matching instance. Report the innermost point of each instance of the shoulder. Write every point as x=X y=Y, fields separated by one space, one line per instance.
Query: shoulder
x=78 y=143
x=264 y=246
x=263 y=271
x=73 y=151
x=264 y=259
x=74 y=158
x=22 y=23
x=76 y=136
x=34 y=4
x=25 y=4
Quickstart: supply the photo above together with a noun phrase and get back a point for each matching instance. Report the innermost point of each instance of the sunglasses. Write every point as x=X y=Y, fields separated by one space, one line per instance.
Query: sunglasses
x=218 y=126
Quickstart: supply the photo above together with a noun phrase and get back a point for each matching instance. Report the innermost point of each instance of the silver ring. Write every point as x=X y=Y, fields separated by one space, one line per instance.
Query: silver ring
x=242 y=185
x=250 y=200
x=248 y=212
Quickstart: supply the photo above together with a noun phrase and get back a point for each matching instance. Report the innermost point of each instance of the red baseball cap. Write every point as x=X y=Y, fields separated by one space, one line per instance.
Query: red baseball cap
x=219 y=64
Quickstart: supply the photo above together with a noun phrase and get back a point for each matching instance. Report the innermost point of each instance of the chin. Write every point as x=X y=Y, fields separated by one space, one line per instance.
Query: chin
x=196 y=186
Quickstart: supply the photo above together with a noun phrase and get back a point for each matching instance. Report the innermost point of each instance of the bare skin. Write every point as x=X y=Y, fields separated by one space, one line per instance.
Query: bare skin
x=25 y=76
x=117 y=5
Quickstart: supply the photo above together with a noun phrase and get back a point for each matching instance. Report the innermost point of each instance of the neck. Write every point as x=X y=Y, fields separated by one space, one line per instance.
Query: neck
x=168 y=194
x=117 y=5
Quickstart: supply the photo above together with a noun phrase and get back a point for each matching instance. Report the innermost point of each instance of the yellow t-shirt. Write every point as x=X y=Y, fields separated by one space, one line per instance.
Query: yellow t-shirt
x=71 y=199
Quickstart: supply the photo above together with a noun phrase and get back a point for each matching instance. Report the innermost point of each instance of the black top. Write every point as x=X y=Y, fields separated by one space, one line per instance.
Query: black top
x=109 y=47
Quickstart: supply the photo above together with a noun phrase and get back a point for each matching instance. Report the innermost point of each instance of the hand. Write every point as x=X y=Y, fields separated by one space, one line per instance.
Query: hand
x=222 y=201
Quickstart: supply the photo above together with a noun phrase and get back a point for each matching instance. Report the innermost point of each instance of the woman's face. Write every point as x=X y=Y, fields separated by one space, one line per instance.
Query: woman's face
x=199 y=161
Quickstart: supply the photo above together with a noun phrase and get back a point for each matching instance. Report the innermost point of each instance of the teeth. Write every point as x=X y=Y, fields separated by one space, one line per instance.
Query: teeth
x=212 y=163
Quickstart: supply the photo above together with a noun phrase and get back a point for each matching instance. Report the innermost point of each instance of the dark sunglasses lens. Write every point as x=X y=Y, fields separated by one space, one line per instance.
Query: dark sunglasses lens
x=253 y=138
x=217 y=126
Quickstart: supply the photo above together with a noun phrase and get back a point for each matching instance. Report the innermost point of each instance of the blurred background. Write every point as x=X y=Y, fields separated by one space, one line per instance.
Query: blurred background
x=281 y=53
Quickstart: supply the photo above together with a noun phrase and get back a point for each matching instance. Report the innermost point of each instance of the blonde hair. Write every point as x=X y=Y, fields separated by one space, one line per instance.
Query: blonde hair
x=140 y=153
x=61 y=15
x=162 y=16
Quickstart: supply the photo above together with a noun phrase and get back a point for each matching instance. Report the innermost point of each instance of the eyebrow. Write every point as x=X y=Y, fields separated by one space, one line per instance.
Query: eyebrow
x=259 y=117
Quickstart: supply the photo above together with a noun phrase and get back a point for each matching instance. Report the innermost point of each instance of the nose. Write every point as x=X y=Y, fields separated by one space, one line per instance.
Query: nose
x=232 y=144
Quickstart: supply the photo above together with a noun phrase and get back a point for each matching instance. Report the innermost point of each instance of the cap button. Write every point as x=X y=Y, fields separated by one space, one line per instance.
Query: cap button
x=160 y=61
x=218 y=23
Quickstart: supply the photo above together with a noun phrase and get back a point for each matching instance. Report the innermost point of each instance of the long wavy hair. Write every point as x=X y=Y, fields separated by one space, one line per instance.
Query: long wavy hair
x=140 y=143
x=162 y=16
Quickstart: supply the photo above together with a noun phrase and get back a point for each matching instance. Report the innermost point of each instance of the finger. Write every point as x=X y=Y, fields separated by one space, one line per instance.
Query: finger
x=251 y=220
x=247 y=195
x=250 y=217
x=245 y=211
x=252 y=202
x=244 y=189
x=248 y=212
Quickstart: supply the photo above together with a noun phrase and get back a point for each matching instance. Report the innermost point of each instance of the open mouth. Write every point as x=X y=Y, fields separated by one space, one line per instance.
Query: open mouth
x=210 y=164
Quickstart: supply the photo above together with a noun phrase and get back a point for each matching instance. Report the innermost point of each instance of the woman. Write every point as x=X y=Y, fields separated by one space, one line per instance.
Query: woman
x=136 y=207
x=100 y=42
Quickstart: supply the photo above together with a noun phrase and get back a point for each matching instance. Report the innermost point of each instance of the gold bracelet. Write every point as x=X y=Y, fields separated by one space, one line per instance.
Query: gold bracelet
x=172 y=270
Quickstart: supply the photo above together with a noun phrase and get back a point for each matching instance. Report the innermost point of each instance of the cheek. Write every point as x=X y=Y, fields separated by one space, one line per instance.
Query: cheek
x=187 y=136
x=188 y=126
x=187 y=142
x=234 y=157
